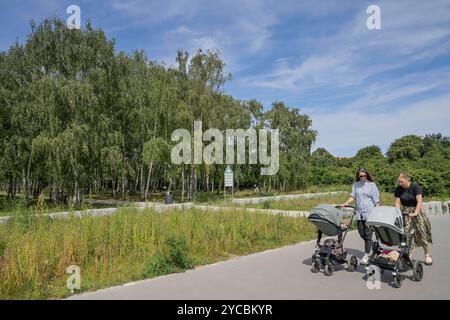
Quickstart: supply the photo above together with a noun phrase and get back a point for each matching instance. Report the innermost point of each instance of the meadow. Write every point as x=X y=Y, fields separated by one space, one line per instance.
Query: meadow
x=14 y=207
x=129 y=246
x=137 y=244
x=306 y=204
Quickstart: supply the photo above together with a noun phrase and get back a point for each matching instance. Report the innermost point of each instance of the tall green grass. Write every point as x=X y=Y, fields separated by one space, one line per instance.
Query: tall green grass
x=130 y=245
x=306 y=204
x=218 y=197
x=14 y=207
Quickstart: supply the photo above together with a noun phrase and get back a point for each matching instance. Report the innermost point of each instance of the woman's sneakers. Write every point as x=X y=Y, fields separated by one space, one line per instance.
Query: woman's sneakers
x=428 y=260
x=364 y=259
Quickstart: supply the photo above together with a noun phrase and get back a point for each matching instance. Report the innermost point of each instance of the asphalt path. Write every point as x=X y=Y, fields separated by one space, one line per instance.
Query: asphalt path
x=285 y=273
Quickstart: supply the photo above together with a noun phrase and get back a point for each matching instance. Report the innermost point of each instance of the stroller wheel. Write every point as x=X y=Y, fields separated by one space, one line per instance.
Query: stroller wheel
x=315 y=264
x=315 y=267
x=417 y=270
x=397 y=281
x=352 y=264
x=329 y=269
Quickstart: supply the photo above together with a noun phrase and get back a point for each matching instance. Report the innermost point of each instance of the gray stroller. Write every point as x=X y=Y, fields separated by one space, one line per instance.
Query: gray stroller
x=328 y=220
x=387 y=224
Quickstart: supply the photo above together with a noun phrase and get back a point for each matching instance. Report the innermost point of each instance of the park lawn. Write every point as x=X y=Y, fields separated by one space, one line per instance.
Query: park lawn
x=131 y=245
x=217 y=198
x=15 y=207
x=306 y=204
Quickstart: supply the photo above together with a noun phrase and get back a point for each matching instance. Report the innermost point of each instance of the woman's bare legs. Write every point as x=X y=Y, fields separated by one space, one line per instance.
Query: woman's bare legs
x=426 y=250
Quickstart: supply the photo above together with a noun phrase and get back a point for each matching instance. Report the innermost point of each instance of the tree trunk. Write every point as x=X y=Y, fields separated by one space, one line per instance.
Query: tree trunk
x=10 y=187
x=14 y=192
x=25 y=187
x=76 y=194
x=182 y=184
x=141 y=187
x=194 y=191
x=114 y=188
x=148 y=180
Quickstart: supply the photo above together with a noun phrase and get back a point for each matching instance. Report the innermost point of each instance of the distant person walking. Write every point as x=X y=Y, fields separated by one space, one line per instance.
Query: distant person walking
x=366 y=196
x=408 y=198
x=256 y=187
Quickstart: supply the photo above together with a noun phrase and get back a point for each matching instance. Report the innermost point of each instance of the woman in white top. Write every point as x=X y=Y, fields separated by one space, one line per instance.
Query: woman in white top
x=366 y=196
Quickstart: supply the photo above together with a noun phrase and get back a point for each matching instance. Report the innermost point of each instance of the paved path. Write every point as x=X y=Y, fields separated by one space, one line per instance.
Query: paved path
x=285 y=274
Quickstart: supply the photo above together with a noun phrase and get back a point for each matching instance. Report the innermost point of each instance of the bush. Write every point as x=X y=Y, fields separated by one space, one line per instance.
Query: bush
x=178 y=252
x=158 y=266
x=172 y=257
x=430 y=181
x=2 y=247
x=267 y=204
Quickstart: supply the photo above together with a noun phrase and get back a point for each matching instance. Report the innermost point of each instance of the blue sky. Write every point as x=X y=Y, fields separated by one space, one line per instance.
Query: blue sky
x=360 y=87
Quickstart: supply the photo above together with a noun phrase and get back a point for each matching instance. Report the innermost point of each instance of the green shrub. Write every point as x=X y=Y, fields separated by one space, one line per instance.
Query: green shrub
x=267 y=204
x=158 y=266
x=430 y=181
x=2 y=247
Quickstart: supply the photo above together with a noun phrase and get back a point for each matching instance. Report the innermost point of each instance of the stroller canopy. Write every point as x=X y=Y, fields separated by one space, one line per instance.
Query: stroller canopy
x=387 y=222
x=385 y=216
x=327 y=219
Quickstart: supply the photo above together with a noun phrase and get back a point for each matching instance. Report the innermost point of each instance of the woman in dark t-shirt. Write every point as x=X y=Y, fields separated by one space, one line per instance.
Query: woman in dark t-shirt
x=408 y=198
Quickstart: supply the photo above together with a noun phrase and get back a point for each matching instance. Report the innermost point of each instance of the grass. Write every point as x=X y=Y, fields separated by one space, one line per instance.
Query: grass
x=131 y=245
x=14 y=207
x=306 y=204
x=11 y=207
x=216 y=198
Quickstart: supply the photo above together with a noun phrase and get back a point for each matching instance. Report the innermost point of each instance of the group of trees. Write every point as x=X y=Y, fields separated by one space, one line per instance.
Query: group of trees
x=78 y=118
x=425 y=159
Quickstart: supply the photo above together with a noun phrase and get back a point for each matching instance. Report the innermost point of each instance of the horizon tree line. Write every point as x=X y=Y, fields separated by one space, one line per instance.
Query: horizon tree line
x=78 y=118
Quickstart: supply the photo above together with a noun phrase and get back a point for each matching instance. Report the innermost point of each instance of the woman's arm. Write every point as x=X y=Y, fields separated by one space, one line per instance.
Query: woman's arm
x=350 y=200
x=375 y=196
x=352 y=197
x=397 y=203
x=418 y=207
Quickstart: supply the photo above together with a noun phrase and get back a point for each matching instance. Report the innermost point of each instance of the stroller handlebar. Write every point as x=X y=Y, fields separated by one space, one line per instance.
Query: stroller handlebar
x=347 y=206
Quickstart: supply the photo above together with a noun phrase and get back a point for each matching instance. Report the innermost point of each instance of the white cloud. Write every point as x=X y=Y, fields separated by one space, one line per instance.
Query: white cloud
x=238 y=29
x=350 y=62
x=149 y=13
x=411 y=31
x=348 y=130
x=314 y=71
x=182 y=30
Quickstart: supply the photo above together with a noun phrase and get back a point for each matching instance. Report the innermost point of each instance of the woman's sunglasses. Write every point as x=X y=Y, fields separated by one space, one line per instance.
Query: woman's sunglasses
x=363 y=176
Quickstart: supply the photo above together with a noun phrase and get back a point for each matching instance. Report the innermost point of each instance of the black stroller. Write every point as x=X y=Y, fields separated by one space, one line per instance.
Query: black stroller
x=328 y=219
x=387 y=224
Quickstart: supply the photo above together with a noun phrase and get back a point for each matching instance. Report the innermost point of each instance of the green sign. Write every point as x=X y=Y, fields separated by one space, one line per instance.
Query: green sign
x=228 y=174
